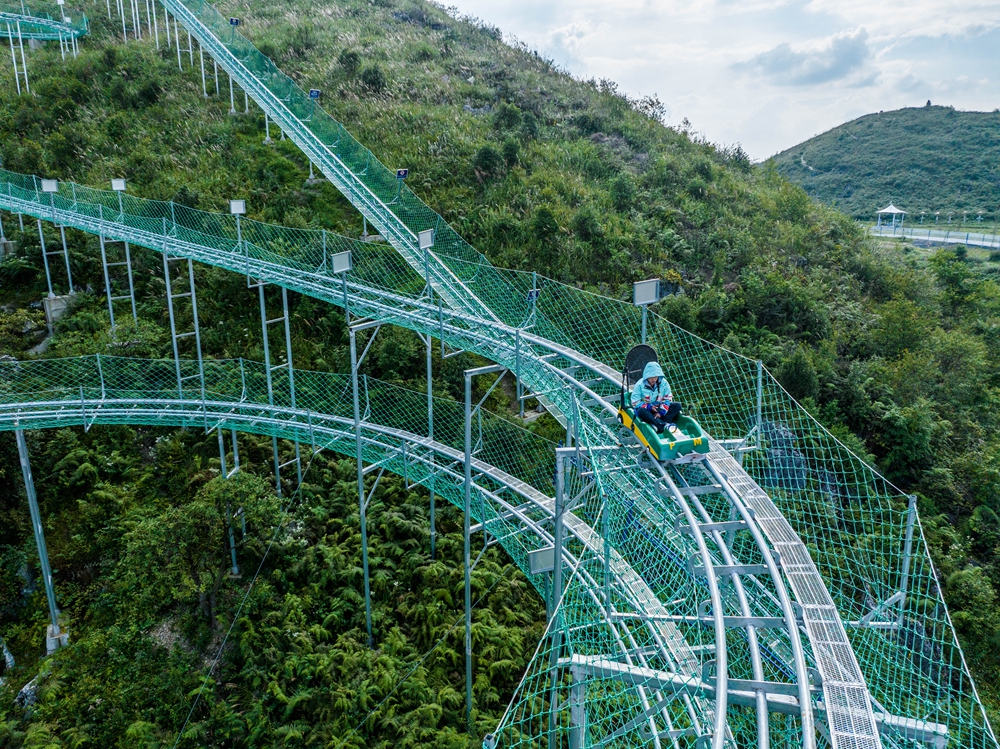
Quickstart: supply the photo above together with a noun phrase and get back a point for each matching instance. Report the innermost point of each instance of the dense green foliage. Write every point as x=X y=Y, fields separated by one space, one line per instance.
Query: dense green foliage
x=540 y=172
x=922 y=159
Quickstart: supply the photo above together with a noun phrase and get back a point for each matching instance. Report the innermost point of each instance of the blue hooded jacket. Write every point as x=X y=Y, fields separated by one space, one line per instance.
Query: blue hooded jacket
x=642 y=393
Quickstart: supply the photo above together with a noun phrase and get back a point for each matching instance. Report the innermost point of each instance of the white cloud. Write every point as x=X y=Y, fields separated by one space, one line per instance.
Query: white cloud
x=769 y=73
x=833 y=59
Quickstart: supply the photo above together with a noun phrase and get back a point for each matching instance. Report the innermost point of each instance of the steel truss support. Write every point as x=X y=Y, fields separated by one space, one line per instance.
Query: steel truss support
x=195 y=333
x=225 y=473
x=362 y=501
x=467 y=524
x=23 y=71
x=430 y=435
x=45 y=259
x=269 y=370
x=55 y=637
x=127 y=264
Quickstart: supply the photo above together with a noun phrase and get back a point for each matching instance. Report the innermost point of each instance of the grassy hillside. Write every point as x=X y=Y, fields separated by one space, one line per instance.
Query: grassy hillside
x=540 y=172
x=924 y=159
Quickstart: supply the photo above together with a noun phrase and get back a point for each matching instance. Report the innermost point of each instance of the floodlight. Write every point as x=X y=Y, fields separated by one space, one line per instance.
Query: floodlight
x=234 y=22
x=118 y=185
x=50 y=185
x=402 y=173
x=646 y=292
x=426 y=239
x=341 y=262
x=542 y=560
x=60 y=2
x=238 y=207
x=314 y=93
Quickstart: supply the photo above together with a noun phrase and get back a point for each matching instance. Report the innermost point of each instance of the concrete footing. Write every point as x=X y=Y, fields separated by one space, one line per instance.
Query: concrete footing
x=55 y=638
x=56 y=307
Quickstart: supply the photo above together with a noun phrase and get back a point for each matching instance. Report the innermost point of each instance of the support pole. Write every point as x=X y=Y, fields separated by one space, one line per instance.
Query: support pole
x=232 y=104
x=13 y=57
x=430 y=435
x=177 y=40
x=156 y=25
x=55 y=638
x=760 y=399
x=467 y=557
x=361 y=485
x=201 y=57
x=267 y=128
x=557 y=532
x=24 y=65
x=904 y=578
x=69 y=274
x=45 y=260
x=107 y=283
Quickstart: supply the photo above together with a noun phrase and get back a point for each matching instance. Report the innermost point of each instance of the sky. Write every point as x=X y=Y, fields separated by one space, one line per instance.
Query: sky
x=768 y=74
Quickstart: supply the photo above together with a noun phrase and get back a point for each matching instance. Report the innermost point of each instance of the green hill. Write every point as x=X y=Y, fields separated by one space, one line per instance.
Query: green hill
x=924 y=159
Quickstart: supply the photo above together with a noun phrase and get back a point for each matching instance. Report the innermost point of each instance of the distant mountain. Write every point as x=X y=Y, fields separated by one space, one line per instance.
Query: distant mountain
x=922 y=159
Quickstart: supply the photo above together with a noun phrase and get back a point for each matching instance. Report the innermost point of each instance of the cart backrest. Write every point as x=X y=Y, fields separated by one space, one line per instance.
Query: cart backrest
x=636 y=361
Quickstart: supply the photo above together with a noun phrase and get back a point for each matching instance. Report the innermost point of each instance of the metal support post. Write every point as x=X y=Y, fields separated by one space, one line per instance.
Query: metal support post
x=215 y=75
x=557 y=531
x=177 y=40
x=45 y=261
x=69 y=274
x=430 y=435
x=645 y=314
x=232 y=105
x=904 y=578
x=267 y=128
x=517 y=371
x=201 y=58
x=467 y=550
x=232 y=539
x=24 y=65
x=760 y=398
x=265 y=324
x=13 y=57
x=190 y=48
x=361 y=484
x=55 y=637
x=174 y=335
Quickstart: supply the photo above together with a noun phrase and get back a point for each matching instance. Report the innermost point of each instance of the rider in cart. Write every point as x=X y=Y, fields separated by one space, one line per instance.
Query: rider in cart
x=652 y=400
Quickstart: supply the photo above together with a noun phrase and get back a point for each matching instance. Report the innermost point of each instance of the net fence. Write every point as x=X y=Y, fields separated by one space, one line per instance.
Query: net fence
x=40 y=21
x=853 y=522
x=863 y=538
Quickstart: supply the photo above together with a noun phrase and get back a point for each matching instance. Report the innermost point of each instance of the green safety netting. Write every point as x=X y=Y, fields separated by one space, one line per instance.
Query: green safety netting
x=854 y=524
x=40 y=21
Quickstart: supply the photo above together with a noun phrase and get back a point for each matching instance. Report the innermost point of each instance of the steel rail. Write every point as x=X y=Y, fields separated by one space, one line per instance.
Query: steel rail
x=303 y=425
x=415 y=314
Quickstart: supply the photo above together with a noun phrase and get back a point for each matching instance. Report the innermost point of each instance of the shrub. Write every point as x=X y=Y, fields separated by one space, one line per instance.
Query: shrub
x=511 y=152
x=350 y=61
x=507 y=117
x=488 y=162
x=423 y=53
x=374 y=79
x=622 y=192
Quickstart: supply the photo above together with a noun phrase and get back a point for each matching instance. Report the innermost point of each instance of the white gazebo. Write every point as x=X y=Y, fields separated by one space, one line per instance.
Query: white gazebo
x=892 y=212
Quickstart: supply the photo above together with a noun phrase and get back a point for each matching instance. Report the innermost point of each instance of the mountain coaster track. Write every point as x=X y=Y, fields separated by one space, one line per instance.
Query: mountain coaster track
x=449 y=291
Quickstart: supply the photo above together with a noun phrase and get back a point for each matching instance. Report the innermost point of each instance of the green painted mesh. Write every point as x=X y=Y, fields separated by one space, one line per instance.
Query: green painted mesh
x=853 y=522
x=42 y=21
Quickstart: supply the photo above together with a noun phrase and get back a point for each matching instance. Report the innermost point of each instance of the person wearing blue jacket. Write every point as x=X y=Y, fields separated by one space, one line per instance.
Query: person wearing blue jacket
x=652 y=400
